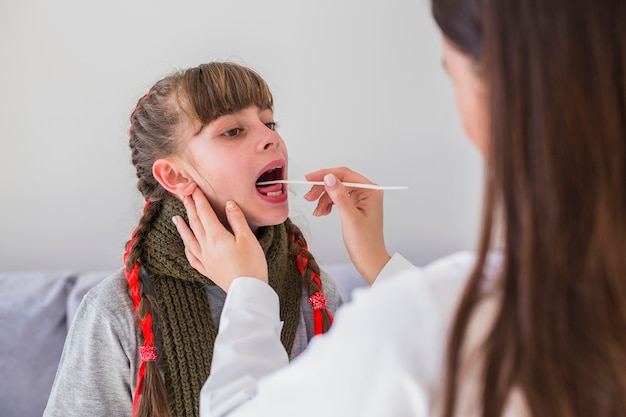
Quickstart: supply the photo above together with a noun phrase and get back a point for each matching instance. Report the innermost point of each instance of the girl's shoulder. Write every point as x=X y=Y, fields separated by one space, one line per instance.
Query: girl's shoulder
x=331 y=292
x=110 y=298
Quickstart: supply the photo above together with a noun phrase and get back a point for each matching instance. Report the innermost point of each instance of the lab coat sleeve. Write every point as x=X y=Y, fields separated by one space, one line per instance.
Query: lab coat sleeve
x=397 y=265
x=247 y=346
x=372 y=362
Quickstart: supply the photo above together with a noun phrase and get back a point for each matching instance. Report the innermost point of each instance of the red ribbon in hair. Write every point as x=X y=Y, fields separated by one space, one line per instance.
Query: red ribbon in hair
x=148 y=351
x=317 y=300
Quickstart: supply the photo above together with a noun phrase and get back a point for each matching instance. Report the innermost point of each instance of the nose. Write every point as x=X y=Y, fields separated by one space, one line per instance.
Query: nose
x=268 y=139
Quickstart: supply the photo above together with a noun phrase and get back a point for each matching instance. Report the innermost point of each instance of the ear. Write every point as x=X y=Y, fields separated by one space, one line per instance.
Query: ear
x=172 y=177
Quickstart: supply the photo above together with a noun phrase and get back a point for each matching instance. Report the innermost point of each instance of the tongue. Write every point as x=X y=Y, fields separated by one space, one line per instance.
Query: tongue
x=264 y=189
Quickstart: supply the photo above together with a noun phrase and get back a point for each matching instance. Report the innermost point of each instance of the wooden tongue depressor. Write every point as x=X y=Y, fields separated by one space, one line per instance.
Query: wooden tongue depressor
x=346 y=184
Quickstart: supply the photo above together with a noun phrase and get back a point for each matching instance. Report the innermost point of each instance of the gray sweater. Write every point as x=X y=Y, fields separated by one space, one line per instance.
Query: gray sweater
x=98 y=369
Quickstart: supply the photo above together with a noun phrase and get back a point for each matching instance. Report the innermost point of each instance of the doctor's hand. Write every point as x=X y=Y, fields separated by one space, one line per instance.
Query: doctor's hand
x=361 y=212
x=214 y=251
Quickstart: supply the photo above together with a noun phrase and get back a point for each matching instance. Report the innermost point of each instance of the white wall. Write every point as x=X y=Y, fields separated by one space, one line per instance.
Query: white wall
x=356 y=83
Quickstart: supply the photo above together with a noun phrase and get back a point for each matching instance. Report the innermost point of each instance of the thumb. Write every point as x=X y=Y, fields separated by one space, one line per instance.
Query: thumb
x=337 y=192
x=236 y=219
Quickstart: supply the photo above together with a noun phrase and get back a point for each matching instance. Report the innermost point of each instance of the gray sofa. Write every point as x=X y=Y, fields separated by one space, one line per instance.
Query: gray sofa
x=36 y=309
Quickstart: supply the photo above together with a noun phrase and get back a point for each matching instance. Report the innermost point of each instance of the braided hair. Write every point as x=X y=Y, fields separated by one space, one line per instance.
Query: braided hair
x=153 y=389
x=203 y=94
x=310 y=270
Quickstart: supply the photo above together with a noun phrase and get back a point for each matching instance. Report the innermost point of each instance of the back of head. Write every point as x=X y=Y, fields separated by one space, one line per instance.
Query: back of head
x=556 y=177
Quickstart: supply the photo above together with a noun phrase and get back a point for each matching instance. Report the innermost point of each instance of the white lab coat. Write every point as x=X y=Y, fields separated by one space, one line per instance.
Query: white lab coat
x=382 y=357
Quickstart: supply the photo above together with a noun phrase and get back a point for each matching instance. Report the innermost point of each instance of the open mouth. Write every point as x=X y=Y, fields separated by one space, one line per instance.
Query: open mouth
x=272 y=174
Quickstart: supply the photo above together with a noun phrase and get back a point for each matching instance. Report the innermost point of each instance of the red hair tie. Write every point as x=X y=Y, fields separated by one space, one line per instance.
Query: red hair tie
x=148 y=353
x=317 y=301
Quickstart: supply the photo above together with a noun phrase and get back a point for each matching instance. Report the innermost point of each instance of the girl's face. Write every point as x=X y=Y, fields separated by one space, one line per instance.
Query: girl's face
x=470 y=93
x=227 y=157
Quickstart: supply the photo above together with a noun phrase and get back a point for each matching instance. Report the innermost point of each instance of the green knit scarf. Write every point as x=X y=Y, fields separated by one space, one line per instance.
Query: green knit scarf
x=185 y=331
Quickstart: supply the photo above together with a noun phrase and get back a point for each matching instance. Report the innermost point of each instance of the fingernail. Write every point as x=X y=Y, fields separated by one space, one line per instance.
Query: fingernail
x=306 y=195
x=330 y=180
x=231 y=206
x=175 y=220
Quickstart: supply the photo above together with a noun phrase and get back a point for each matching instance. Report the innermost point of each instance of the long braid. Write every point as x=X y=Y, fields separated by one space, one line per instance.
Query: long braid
x=150 y=398
x=311 y=279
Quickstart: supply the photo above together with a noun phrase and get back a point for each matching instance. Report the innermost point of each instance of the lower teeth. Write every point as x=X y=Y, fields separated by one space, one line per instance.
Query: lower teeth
x=274 y=193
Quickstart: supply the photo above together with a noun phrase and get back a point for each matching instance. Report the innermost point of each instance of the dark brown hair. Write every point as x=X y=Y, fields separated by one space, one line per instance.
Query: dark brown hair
x=555 y=178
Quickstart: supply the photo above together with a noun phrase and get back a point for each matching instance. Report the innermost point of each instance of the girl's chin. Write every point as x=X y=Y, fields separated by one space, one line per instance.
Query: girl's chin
x=268 y=220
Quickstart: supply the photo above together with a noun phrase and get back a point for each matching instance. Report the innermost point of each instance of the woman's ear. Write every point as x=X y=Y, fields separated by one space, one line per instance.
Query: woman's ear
x=171 y=177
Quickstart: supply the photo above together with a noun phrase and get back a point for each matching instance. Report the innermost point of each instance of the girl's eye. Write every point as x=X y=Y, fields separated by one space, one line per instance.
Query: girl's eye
x=232 y=132
x=271 y=125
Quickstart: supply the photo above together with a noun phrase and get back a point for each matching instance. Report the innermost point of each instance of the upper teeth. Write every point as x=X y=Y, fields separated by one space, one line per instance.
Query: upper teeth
x=271 y=170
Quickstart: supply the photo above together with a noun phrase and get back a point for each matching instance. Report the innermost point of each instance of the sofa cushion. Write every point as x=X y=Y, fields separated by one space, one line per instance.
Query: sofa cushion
x=33 y=326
